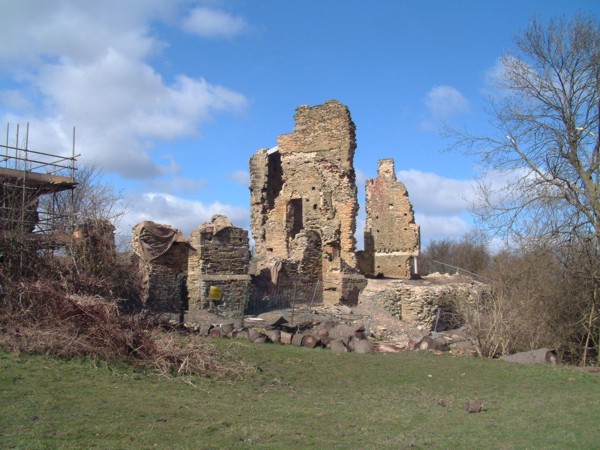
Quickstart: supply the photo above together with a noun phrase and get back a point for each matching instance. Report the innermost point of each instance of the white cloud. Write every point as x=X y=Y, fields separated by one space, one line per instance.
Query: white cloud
x=213 y=23
x=441 y=204
x=493 y=80
x=445 y=101
x=433 y=194
x=178 y=184
x=361 y=220
x=241 y=176
x=184 y=214
x=441 y=227
x=13 y=99
x=84 y=65
x=32 y=31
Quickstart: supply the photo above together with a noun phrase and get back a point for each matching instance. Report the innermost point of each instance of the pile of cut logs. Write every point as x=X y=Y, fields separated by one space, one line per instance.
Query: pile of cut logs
x=337 y=336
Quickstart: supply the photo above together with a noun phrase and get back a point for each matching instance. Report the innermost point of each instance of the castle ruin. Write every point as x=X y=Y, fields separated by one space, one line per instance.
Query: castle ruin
x=303 y=220
x=392 y=239
x=304 y=205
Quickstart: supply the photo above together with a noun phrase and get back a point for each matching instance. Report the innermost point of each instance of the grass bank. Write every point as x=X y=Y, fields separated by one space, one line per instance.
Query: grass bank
x=299 y=398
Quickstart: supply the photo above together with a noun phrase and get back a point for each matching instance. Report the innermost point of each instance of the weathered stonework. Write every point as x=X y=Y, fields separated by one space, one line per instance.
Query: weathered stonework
x=392 y=239
x=221 y=259
x=160 y=254
x=423 y=303
x=304 y=206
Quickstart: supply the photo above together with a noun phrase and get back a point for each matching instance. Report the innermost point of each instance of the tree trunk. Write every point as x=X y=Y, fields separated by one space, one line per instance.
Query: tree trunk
x=286 y=338
x=310 y=341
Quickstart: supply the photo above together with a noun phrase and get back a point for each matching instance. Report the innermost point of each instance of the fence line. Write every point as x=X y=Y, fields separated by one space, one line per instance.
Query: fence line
x=462 y=270
x=300 y=299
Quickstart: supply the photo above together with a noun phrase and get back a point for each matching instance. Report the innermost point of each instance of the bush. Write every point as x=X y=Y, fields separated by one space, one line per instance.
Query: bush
x=469 y=254
x=38 y=317
x=535 y=302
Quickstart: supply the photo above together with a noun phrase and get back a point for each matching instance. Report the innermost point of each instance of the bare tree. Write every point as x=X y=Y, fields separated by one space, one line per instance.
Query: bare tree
x=470 y=254
x=547 y=139
x=92 y=199
x=547 y=146
x=87 y=215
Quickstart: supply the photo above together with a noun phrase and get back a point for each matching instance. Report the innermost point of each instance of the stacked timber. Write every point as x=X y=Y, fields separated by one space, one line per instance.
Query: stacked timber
x=338 y=337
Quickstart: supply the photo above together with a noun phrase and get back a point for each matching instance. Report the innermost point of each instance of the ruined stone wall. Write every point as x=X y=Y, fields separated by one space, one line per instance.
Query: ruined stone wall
x=424 y=303
x=157 y=272
x=392 y=239
x=308 y=183
x=265 y=186
x=221 y=259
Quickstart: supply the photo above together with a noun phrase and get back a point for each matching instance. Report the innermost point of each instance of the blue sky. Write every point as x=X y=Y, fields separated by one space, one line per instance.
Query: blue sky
x=170 y=98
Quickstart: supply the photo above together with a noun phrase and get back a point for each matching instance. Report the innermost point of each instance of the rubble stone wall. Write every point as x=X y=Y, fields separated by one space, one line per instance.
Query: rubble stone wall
x=307 y=183
x=162 y=273
x=157 y=277
x=220 y=259
x=420 y=304
x=392 y=239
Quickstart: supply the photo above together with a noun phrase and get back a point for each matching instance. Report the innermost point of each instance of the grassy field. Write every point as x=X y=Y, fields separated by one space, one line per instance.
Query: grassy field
x=299 y=398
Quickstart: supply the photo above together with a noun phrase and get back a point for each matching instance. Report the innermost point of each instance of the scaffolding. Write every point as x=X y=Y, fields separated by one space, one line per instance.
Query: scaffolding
x=25 y=177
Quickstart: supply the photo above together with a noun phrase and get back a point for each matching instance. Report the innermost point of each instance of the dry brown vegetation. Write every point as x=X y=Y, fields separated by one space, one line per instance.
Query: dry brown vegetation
x=38 y=315
x=541 y=296
x=545 y=142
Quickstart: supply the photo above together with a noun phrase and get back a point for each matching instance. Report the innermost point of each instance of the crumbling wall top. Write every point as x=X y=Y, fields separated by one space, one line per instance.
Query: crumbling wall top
x=216 y=224
x=386 y=169
x=321 y=128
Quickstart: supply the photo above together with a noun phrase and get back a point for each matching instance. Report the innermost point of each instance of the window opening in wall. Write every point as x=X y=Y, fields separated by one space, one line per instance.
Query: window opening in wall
x=294 y=219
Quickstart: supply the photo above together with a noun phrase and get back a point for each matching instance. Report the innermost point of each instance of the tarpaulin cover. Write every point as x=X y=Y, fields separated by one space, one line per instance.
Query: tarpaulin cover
x=155 y=239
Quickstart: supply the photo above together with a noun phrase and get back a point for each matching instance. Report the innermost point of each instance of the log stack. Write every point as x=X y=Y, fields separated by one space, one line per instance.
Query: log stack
x=339 y=337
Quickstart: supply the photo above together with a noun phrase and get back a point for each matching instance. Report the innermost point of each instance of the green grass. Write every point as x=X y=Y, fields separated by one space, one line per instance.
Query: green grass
x=299 y=398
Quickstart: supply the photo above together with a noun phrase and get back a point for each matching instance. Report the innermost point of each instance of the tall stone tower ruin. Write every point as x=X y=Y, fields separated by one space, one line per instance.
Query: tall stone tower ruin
x=304 y=206
x=392 y=239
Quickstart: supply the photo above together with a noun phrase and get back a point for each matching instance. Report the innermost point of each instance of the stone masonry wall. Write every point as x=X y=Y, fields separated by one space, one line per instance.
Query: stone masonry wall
x=392 y=239
x=419 y=304
x=308 y=183
x=220 y=259
x=157 y=277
